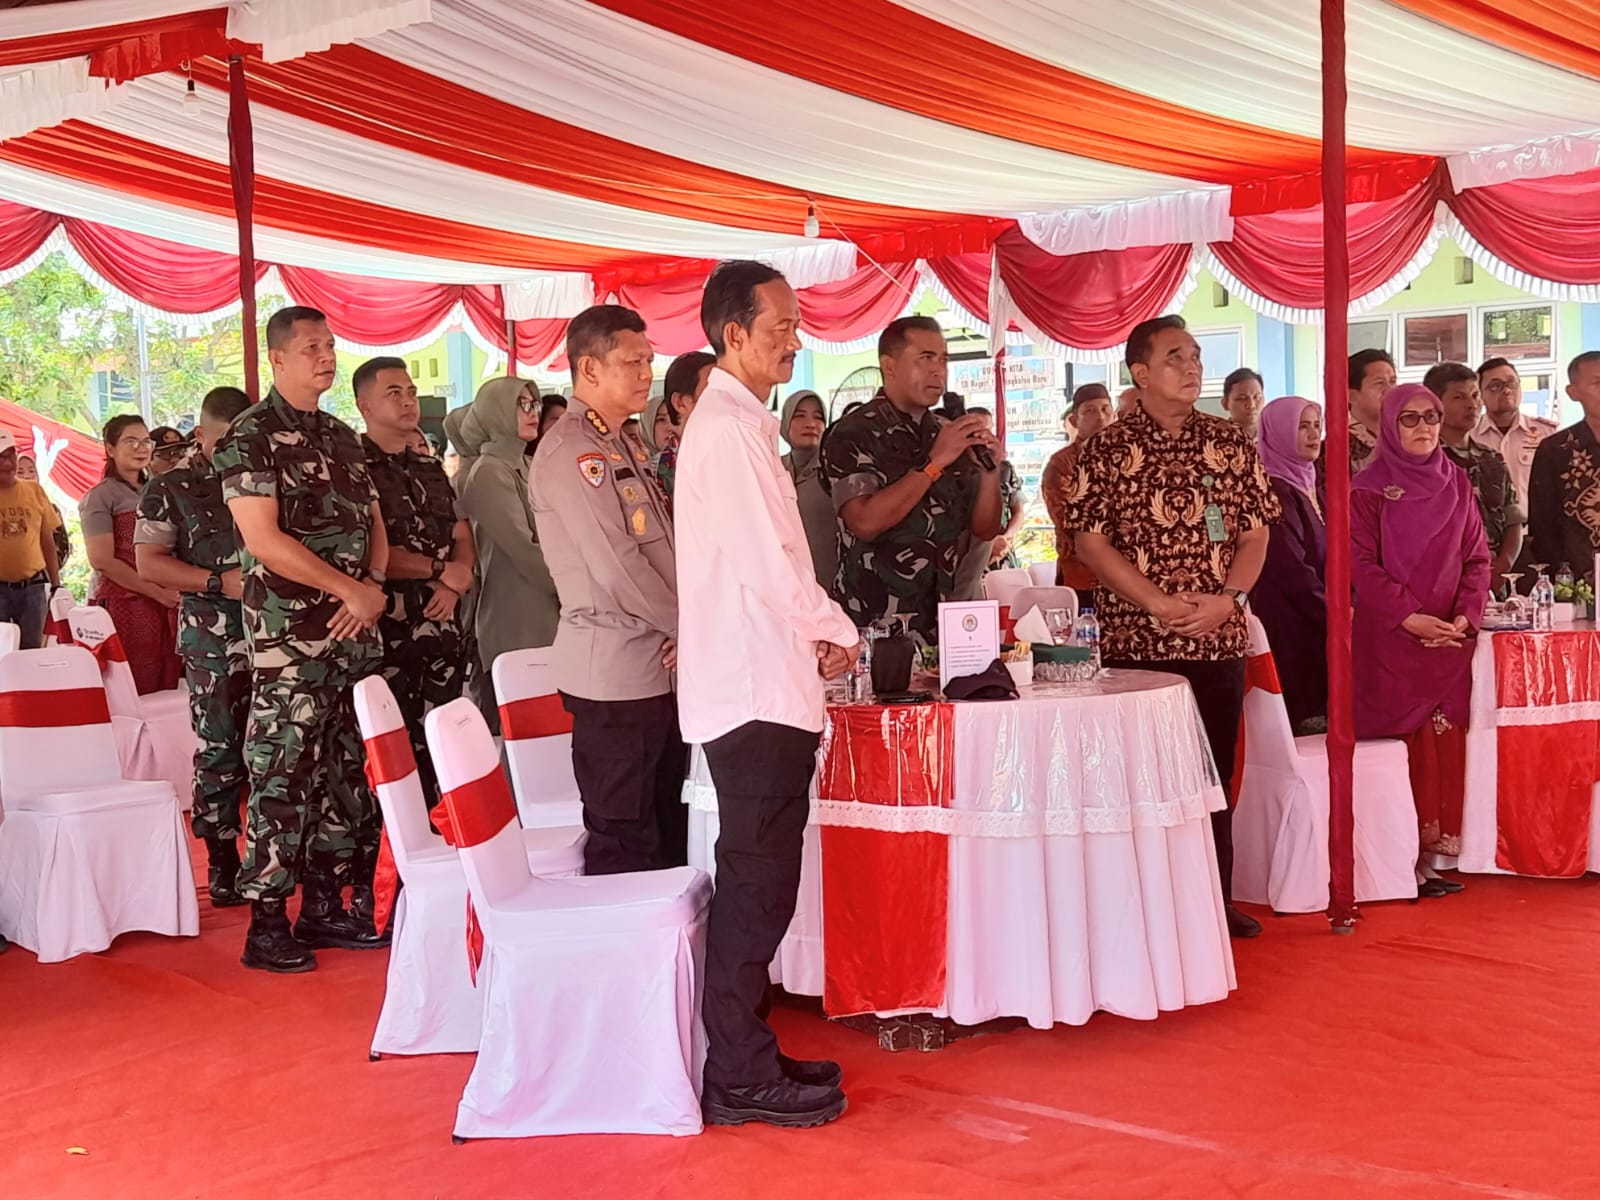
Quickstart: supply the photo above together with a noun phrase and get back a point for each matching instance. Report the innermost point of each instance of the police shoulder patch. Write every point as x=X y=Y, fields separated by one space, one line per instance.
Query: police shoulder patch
x=593 y=468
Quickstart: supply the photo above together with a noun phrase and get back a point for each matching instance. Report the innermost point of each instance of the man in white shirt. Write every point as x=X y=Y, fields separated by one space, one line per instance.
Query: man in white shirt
x=756 y=637
x=1504 y=426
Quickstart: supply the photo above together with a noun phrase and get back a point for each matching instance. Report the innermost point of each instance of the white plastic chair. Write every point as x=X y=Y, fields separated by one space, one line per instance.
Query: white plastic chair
x=10 y=637
x=1280 y=825
x=85 y=854
x=1002 y=586
x=1043 y=574
x=155 y=735
x=540 y=761
x=1046 y=598
x=429 y=1003
x=58 y=621
x=591 y=986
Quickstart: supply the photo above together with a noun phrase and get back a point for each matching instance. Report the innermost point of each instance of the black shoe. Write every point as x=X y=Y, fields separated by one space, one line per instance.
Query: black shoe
x=324 y=923
x=1241 y=925
x=269 y=946
x=222 y=877
x=363 y=903
x=1432 y=889
x=1450 y=885
x=814 y=1072
x=4 y=945
x=782 y=1102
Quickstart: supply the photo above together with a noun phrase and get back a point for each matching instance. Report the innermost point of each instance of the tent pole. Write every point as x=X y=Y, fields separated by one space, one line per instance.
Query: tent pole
x=1336 y=347
x=1000 y=397
x=242 y=168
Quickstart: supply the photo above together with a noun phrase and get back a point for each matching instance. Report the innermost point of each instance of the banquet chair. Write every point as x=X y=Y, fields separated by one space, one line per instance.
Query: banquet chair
x=537 y=732
x=10 y=637
x=85 y=854
x=591 y=986
x=1003 y=585
x=155 y=735
x=1043 y=574
x=57 y=624
x=1280 y=825
x=429 y=1004
x=1046 y=598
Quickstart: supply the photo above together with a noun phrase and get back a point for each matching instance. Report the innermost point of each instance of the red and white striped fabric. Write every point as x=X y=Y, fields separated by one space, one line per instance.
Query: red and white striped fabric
x=1076 y=164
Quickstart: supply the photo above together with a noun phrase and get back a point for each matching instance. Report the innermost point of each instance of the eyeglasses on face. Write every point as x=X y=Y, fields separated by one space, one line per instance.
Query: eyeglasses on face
x=1412 y=419
x=1499 y=386
x=528 y=406
x=137 y=443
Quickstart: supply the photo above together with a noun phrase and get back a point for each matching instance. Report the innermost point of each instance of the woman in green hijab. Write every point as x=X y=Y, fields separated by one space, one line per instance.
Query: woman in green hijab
x=517 y=604
x=802 y=425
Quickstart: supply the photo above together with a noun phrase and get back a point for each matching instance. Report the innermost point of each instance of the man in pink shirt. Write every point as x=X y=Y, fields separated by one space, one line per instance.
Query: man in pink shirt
x=756 y=637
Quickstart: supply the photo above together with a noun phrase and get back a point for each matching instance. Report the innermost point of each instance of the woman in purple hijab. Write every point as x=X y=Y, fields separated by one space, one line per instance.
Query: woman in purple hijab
x=1420 y=564
x=1289 y=599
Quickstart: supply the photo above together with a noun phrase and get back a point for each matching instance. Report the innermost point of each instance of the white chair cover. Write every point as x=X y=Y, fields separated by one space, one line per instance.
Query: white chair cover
x=85 y=855
x=10 y=637
x=155 y=737
x=57 y=626
x=1280 y=825
x=541 y=767
x=1043 y=574
x=1003 y=585
x=430 y=1005
x=591 y=986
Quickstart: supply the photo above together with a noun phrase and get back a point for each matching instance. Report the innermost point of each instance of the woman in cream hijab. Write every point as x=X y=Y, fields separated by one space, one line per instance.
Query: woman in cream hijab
x=804 y=421
x=517 y=605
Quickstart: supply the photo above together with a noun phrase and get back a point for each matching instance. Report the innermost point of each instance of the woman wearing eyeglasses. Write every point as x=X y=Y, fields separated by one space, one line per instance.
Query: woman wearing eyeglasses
x=144 y=613
x=516 y=604
x=1420 y=564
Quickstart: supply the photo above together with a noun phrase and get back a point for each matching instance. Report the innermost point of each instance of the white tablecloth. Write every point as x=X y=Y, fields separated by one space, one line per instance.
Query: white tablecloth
x=1082 y=877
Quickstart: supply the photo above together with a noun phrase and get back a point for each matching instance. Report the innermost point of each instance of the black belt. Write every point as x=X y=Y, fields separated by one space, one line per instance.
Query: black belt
x=41 y=577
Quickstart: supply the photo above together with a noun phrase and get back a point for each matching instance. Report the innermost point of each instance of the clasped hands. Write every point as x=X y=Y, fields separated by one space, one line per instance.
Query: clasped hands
x=1435 y=631
x=1194 y=614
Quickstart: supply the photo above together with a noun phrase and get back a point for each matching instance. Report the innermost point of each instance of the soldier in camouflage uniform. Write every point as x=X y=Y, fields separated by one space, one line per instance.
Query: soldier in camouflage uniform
x=905 y=488
x=431 y=555
x=185 y=541
x=1504 y=520
x=314 y=552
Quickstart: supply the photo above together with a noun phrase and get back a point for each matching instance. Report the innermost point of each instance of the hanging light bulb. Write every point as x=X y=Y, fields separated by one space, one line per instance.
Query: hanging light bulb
x=191 y=101
x=813 y=226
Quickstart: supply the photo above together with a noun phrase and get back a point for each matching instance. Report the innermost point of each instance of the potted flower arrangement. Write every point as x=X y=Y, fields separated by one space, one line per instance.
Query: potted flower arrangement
x=1580 y=595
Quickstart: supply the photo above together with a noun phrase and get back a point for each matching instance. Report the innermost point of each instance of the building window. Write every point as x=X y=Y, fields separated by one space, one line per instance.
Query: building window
x=1519 y=334
x=1221 y=353
x=1436 y=339
x=1369 y=335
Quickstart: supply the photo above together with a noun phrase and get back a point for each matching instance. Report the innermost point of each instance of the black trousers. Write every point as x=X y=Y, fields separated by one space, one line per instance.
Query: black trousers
x=762 y=773
x=629 y=761
x=1219 y=693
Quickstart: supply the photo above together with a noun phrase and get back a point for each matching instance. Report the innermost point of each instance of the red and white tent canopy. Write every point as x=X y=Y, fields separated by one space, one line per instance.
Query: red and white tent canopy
x=1067 y=166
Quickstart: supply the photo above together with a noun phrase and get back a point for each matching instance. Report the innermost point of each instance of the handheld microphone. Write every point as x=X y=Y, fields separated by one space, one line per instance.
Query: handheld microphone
x=955 y=406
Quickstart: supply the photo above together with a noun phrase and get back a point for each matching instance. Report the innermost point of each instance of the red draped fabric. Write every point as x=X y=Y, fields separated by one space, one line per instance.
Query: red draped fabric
x=79 y=465
x=1090 y=300
x=22 y=231
x=377 y=312
x=671 y=312
x=860 y=305
x=54 y=709
x=1279 y=255
x=166 y=275
x=966 y=278
x=534 y=717
x=128 y=50
x=1548 y=228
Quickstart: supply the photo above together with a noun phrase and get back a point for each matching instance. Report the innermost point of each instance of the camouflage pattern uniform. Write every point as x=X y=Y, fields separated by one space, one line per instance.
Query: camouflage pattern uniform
x=309 y=797
x=1495 y=492
x=912 y=567
x=424 y=661
x=184 y=512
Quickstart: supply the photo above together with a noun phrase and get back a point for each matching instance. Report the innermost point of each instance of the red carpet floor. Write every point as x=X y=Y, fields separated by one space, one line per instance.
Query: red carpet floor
x=1449 y=1049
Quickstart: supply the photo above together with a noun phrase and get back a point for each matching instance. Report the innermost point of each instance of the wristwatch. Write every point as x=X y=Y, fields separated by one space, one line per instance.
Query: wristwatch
x=931 y=471
x=377 y=576
x=1240 y=598
x=214 y=584
x=438 y=569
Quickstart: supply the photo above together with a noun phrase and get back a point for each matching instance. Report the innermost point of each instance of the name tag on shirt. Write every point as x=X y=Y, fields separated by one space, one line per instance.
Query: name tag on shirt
x=1216 y=529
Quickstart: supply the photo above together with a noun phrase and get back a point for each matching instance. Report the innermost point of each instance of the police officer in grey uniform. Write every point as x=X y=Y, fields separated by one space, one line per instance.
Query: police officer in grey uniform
x=602 y=521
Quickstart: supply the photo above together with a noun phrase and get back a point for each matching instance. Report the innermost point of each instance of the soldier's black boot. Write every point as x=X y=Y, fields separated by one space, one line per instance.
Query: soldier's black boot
x=223 y=875
x=269 y=946
x=323 y=921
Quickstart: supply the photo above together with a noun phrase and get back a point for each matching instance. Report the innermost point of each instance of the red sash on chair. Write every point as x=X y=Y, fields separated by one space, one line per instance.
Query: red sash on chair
x=1260 y=672
x=470 y=815
x=60 y=629
x=389 y=760
x=534 y=717
x=54 y=709
x=106 y=652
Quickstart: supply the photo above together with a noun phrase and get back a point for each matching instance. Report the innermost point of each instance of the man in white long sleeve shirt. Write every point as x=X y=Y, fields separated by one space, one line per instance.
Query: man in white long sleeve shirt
x=756 y=638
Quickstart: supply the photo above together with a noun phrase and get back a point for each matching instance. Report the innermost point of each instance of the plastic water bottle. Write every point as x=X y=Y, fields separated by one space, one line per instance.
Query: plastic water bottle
x=1544 y=604
x=1086 y=632
x=861 y=675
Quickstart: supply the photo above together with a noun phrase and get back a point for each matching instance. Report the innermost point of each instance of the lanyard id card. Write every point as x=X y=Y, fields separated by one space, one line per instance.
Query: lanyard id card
x=1216 y=529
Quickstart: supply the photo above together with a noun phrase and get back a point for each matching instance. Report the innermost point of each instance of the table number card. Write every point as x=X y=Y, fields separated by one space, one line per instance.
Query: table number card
x=969 y=638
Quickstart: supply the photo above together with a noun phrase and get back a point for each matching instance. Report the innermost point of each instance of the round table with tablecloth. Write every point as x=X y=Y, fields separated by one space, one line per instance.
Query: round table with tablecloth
x=1044 y=858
